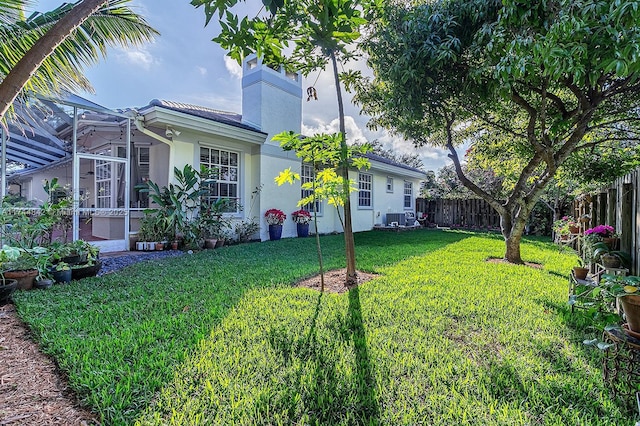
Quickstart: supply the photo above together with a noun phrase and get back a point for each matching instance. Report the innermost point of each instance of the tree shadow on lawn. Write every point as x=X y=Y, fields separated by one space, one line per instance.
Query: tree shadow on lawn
x=325 y=398
x=152 y=315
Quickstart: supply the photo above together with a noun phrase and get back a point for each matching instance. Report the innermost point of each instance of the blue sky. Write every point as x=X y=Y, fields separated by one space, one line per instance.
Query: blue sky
x=184 y=65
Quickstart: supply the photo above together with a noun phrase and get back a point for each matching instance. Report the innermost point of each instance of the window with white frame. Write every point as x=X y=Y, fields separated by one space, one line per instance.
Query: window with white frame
x=389 y=184
x=408 y=194
x=142 y=172
x=226 y=186
x=306 y=176
x=365 y=190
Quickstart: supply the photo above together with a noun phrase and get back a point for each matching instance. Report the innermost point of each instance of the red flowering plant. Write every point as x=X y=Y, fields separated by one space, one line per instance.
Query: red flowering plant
x=301 y=216
x=275 y=216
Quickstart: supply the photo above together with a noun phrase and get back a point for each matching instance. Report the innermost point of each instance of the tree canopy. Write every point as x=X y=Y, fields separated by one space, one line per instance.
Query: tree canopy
x=536 y=81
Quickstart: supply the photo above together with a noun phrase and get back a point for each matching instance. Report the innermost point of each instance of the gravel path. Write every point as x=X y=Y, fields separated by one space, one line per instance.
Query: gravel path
x=114 y=263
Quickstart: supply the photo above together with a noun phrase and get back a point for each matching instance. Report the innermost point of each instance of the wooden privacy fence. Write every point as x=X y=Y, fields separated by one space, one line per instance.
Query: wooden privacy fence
x=474 y=213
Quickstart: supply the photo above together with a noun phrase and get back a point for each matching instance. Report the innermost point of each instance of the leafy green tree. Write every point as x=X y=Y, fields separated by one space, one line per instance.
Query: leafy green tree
x=326 y=155
x=45 y=52
x=556 y=77
x=317 y=33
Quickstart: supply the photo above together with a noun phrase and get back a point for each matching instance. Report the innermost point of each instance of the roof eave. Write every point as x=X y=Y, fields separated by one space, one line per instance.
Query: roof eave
x=160 y=116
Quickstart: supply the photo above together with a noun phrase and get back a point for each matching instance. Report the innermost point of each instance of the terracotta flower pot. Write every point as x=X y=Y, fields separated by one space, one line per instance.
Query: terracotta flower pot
x=25 y=278
x=580 y=273
x=631 y=307
x=612 y=243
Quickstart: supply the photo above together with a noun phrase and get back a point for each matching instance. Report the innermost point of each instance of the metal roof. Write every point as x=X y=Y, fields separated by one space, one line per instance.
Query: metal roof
x=225 y=117
x=384 y=160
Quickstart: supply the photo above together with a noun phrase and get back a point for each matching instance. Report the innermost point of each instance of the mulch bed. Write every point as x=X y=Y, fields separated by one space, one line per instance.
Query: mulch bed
x=334 y=281
x=32 y=391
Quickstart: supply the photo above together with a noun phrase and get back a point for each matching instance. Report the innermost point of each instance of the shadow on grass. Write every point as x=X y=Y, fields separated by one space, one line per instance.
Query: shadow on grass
x=323 y=395
x=368 y=409
x=137 y=325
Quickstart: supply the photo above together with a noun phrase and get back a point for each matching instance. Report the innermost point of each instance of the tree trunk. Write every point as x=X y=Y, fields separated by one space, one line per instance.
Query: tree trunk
x=512 y=229
x=512 y=254
x=20 y=74
x=349 y=244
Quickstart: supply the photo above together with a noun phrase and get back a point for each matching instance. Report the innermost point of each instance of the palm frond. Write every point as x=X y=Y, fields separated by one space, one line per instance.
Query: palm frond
x=11 y=10
x=115 y=25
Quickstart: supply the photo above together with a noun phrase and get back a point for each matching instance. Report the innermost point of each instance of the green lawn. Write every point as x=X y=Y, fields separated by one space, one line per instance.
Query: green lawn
x=221 y=337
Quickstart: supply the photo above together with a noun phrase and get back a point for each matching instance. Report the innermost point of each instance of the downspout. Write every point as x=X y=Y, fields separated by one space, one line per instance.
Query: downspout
x=138 y=121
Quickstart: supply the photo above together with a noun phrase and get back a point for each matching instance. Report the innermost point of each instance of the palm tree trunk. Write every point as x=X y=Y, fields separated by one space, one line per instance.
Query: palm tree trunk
x=19 y=75
x=349 y=244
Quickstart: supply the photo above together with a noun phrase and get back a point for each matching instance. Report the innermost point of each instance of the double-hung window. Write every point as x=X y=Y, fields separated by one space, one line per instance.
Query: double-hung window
x=389 y=184
x=408 y=194
x=226 y=186
x=306 y=176
x=365 y=190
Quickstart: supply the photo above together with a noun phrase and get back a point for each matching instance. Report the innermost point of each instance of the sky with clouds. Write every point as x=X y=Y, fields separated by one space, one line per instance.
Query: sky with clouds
x=184 y=65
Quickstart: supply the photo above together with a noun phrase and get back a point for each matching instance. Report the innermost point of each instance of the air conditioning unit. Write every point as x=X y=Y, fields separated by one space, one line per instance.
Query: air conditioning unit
x=399 y=218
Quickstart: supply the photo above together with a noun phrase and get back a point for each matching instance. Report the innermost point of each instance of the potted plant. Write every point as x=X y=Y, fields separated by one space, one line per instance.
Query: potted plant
x=23 y=268
x=580 y=271
x=7 y=286
x=610 y=258
x=275 y=218
x=61 y=272
x=626 y=290
x=301 y=219
x=565 y=226
x=43 y=265
x=604 y=232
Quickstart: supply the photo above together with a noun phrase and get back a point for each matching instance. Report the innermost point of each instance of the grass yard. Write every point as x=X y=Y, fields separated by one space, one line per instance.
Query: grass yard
x=221 y=337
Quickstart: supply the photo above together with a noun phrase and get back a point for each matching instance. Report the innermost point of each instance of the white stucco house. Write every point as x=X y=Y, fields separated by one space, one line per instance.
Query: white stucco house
x=164 y=134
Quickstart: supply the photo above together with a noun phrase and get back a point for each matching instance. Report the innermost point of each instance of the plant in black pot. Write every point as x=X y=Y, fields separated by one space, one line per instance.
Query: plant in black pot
x=7 y=286
x=44 y=265
x=610 y=258
x=61 y=272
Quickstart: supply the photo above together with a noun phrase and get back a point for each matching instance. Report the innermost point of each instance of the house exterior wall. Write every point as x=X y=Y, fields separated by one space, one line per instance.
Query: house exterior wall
x=383 y=202
x=272 y=101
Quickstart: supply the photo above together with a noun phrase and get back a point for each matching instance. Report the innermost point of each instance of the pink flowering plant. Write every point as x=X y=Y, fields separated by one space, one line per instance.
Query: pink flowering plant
x=562 y=226
x=604 y=231
x=301 y=216
x=275 y=216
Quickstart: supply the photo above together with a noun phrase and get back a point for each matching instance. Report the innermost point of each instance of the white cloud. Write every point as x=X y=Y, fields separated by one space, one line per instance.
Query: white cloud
x=354 y=133
x=232 y=67
x=139 y=57
x=201 y=70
